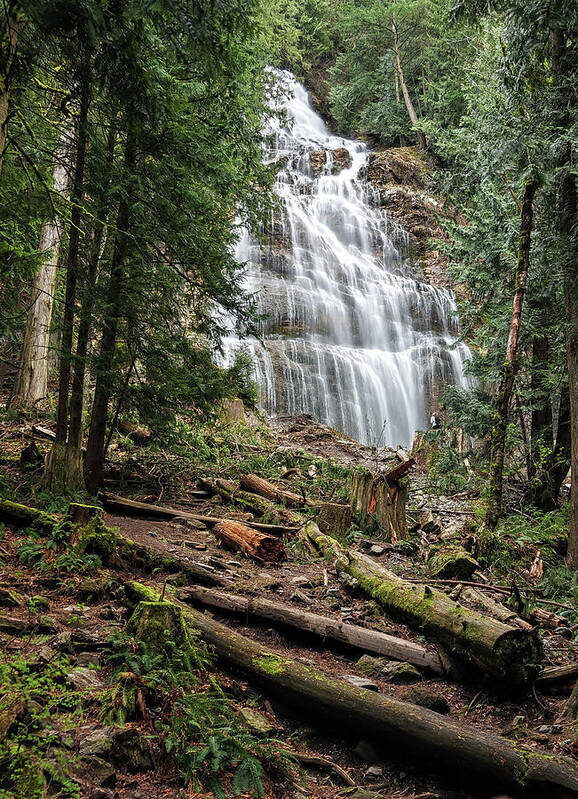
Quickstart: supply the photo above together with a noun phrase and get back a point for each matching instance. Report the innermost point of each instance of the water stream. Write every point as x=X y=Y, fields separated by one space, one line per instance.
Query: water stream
x=348 y=334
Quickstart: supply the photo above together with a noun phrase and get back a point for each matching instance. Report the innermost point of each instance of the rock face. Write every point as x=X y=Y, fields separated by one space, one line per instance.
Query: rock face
x=402 y=178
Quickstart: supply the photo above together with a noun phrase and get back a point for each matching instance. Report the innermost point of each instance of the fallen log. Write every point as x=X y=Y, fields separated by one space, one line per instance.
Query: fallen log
x=570 y=709
x=260 y=506
x=260 y=546
x=496 y=609
x=558 y=673
x=511 y=654
x=256 y=485
x=478 y=756
x=138 y=435
x=131 y=507
x=398 y=472
x=23 y=516
x=351 y=634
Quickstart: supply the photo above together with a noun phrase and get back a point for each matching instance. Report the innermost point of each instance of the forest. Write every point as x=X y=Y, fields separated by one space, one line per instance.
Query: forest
x=288 y=399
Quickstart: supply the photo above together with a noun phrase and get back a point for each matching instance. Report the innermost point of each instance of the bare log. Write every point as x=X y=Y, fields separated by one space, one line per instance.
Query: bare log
x=478 y=756
x=262 y=547
x=496 y=609
x=398 y=472
x=256 y=485
x=511 y=654
x=139 y=435
x=558 y=673
x=324 y=626
x=131 y=507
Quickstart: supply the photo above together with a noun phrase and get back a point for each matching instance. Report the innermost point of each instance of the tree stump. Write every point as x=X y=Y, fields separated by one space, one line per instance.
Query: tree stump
x=381 y=505
x=335 y=519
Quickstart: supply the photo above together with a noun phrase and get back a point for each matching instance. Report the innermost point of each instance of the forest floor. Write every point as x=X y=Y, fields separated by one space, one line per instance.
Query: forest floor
x=59 y=619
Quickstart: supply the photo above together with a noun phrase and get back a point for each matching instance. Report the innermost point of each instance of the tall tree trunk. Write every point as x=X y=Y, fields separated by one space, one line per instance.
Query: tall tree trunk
x=563 y=72
x=421 y=139
x=55 y=472
x=7 y=68
x=31 y=382
x=94 y=462
x=510 y=364
x=74 y=467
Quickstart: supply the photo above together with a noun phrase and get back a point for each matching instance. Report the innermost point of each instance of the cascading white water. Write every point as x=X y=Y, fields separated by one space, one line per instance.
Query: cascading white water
x=347 y=334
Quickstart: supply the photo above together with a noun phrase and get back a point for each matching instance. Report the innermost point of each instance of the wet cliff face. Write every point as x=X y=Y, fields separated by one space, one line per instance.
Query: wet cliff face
x=351 y=334
x=401 y=176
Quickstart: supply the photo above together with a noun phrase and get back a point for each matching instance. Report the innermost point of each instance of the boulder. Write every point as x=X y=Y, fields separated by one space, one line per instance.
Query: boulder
x=393 y=671
x=452 y=562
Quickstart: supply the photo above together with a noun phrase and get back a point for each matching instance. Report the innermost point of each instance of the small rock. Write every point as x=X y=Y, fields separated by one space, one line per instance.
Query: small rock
x=11 y=624
x=256 y=721
x=300 y=581
x=84 y=679
x=360 y=682
x=88 y=659
x=132 y=751
x=10 y=598
x=557 y=729
x=393 y=671
x=374 y=771
x=426 y=698
x=99 y=771
x=376 y=549
x=299 y=596
x=516 y=721
x=97 y=743
x=366 y=751
x=545 y=728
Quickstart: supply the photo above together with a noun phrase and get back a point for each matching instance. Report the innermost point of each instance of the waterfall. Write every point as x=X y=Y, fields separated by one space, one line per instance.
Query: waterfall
x=347 y=334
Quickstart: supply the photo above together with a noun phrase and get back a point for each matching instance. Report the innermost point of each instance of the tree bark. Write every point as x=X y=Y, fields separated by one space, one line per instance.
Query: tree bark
x=74 y=466
x=260 y=546
x=359 y=637
x=563 y=71
x=381 y=503
x=55 y=471
x=8 y=65
x=510 y=365
x=94 y=462
x=256 y=485
x=31 y=382
x=477 y=756
x=510 y=654
x=421 y=139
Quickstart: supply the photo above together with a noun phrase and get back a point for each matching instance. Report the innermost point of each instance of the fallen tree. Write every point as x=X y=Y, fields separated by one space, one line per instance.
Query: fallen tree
x=132 y=507
x=262 y=547
x=511 y=654
x=323 y=626
x=257 y=485
x=23 y=516
x=478 y=756
x=260 y=506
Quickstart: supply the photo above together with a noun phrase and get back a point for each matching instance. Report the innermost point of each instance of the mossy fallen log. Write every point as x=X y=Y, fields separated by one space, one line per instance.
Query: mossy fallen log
x=23 y=516
x=327 y=628
x=257 y=485
x=264 y=508
x=477 y=756
x=510 y=654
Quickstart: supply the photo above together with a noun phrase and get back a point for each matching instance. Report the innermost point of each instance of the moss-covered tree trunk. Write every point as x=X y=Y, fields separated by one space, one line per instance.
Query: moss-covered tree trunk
x=510 y=654
x=510 y=365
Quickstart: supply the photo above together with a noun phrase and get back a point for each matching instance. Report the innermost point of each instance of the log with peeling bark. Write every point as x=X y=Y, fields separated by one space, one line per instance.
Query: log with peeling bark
x=132 y=507
x=477 y=757
x=260 y=546
x=359 y=637
x=260 y=506
x=510 y=654
x=257 y=485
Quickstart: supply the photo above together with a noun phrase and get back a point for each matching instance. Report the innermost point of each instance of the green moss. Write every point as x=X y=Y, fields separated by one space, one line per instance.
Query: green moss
x=22 y=515
x=269 y=663
x=161 y=627
x=452 y=562
x=97 y=539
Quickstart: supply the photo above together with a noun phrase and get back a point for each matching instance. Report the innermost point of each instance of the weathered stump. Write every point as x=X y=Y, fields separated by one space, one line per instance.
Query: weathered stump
x=381 y=505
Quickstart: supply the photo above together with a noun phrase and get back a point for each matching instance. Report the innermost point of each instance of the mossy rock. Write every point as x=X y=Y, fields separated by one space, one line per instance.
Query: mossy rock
x=38 y=603
x=393 y=671
x=452 y=562
x=426 y=698
x=92 y=588
x=10 y=598
x=96 y=538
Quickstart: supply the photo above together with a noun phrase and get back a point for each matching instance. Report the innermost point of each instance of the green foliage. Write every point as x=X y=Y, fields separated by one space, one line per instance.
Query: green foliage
x=32 y=752
x=56 y=554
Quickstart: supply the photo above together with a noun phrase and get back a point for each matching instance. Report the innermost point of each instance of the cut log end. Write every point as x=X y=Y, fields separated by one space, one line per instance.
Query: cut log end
x=260 y=546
